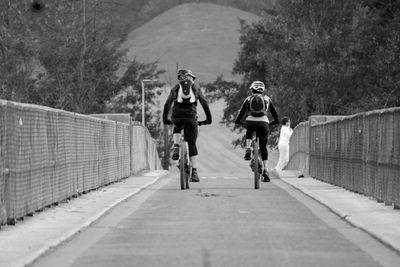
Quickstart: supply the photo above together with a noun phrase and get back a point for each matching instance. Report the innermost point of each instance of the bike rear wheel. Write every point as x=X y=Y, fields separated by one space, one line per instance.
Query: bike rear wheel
x=256 y=165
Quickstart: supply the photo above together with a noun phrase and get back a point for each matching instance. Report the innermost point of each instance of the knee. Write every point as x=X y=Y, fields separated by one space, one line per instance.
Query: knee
x=192 y=149
x=193 y=152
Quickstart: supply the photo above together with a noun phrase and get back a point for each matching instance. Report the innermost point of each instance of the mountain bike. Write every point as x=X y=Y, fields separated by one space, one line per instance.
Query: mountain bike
x=185 y=169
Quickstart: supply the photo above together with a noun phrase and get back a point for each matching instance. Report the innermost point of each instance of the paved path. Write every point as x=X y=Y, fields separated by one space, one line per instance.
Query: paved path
x=27 y=240
x=381 y=221
x=221 y=221
x=30 y=238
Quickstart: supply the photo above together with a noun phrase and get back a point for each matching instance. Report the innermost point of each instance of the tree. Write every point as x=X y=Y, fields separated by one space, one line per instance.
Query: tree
x=16 y=53
x=323 y=57
x=79 y=58
x=320 y=57
x=379 y=53
x=129 y=98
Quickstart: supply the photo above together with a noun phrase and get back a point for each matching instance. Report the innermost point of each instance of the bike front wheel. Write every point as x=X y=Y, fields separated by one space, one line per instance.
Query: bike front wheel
x=182 y=167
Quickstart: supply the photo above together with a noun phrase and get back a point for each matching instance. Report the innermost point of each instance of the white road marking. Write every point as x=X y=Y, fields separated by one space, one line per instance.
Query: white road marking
x=243 y=211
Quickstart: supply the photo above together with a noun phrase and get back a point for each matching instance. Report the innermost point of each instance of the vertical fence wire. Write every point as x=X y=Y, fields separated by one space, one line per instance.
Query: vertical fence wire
x=48 y=155
x=360 y=153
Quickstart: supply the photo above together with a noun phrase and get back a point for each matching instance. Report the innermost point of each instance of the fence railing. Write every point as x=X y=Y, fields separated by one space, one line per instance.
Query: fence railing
x=360 y=152
x=48 y=155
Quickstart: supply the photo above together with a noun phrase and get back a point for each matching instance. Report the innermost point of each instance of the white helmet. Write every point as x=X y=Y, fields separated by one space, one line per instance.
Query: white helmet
x=257 y=86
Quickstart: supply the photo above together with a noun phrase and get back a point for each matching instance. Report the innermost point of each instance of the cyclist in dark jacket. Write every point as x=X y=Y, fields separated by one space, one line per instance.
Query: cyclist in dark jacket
x=257 y=122
x=183 y=99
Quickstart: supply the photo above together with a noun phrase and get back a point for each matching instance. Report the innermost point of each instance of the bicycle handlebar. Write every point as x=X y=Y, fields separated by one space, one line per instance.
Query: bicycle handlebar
x=199 y=123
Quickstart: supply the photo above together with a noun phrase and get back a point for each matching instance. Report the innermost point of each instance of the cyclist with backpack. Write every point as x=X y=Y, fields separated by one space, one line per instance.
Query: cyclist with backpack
x=183 y=98
x=256 y=107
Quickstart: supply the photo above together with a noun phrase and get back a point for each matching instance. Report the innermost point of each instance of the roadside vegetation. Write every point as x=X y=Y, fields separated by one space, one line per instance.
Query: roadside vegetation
x=62 y=54
x=319 y=57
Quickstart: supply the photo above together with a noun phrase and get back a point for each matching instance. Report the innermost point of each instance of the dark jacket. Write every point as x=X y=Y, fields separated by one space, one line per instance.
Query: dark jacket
x=185 y=110
x=245 y=111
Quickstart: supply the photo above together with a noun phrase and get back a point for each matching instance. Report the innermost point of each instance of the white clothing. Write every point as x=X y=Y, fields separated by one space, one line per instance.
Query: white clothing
x=181 y=95
x=283 y=156
x=286 y=133
x=283 y=146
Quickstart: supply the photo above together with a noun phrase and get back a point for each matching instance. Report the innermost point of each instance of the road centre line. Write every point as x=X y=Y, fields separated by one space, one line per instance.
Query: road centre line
x=224 y=177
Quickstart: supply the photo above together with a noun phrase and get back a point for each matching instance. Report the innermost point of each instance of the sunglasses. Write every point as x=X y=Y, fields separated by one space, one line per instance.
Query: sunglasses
x=184 y=77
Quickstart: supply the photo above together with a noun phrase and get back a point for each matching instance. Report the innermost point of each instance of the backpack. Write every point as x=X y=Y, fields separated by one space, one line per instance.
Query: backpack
x=258 y=107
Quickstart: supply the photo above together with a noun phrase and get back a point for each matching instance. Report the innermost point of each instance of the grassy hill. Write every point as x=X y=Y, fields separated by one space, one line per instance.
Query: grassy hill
x=200 y=36
x=127 y=15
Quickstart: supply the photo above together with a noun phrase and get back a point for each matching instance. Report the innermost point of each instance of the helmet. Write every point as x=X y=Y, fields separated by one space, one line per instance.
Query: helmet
x=182 y=74
x=257 y=86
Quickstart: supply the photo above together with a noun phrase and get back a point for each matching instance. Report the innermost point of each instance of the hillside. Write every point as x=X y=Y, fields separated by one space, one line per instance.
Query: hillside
x=127 y=15
x=200 y=36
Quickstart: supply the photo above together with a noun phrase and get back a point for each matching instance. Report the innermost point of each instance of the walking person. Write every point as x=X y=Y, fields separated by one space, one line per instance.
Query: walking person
x=283 y=144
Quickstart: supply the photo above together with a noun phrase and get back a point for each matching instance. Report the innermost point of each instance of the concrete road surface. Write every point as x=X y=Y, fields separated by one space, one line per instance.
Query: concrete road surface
x=221 y=221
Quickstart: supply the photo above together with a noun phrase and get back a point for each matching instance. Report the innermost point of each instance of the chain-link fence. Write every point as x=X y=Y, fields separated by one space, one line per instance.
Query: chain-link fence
x=360 y=152
x=48 y=155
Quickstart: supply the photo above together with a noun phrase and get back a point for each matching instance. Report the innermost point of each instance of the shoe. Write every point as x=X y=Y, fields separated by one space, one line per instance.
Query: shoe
x=187 y=168
x=247 y=155
x=175 y=153
x=195 y=176
x=265 y=177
